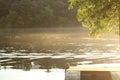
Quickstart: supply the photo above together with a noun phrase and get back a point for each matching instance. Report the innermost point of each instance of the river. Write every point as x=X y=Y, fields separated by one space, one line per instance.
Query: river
x=43 y=54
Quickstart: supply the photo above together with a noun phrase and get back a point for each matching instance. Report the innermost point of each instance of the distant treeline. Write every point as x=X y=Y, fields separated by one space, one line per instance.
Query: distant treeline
x=36 y=13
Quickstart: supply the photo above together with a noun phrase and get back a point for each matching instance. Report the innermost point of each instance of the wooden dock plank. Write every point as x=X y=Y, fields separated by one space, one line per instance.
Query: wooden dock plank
x=96 y=68
x=72 y=75
x=115 y=75
x=95 y=75
x=92 y=75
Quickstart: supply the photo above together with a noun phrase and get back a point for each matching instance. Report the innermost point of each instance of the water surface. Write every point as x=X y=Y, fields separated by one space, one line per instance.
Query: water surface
x=43 y=54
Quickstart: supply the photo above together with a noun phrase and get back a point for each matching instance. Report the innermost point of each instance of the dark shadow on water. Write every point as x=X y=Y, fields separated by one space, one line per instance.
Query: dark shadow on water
x=28 y=64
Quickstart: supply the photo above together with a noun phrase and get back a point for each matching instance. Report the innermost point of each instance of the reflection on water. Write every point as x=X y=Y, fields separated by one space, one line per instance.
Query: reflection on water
x=54 y=67
x=34 y=74
x=43 y=56
x=27 y=63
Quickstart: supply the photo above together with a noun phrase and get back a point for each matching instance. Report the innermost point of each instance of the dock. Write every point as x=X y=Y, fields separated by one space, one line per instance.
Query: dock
x=106 y=67
x=93 y=72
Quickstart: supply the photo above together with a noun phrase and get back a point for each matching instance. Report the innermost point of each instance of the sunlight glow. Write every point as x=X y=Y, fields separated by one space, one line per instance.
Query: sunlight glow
x=37 y=74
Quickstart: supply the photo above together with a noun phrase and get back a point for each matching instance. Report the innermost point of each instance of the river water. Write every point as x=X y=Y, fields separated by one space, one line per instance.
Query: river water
x=43 y=55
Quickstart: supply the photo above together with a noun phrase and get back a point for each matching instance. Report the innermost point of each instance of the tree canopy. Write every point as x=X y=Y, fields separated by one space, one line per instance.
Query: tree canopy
x=98 y=15
x=35 y=13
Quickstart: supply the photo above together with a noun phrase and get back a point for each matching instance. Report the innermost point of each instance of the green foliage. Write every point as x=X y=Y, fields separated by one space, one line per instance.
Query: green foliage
x=97 y=15
x=35 y=13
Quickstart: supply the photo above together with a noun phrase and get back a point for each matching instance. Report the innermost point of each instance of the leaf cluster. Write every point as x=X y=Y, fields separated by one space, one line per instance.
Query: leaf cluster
x=98 y=16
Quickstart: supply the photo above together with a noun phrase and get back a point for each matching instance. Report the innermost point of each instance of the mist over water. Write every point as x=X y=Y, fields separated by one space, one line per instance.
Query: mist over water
x=46 y=51
x=57 y=41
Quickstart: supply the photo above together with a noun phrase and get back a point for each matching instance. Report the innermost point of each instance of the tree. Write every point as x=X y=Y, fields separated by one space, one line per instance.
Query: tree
x=98 y=15
x=35 y=13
